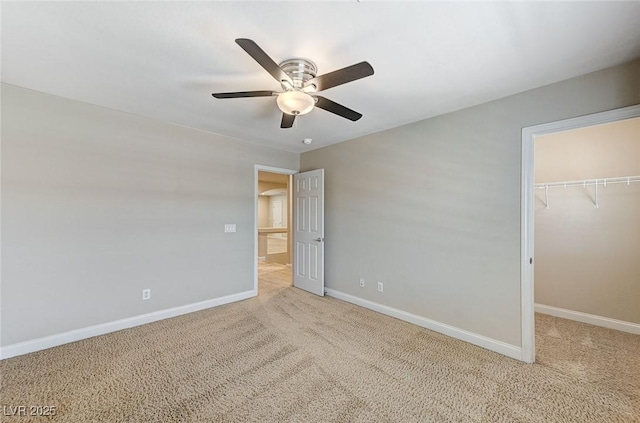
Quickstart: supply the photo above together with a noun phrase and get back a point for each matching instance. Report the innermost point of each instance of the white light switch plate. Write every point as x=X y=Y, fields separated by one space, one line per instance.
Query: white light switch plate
x=229 y=227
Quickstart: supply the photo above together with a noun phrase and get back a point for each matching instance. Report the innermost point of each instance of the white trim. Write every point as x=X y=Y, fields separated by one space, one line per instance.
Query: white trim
x=461 y=334
x=528 y=341
x=591 y=319
x=529 y=135
x=103 y=328
x=256 y=169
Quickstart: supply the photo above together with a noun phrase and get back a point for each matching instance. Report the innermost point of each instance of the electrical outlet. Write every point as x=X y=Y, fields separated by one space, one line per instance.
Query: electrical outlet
x=146 y=294
x=229 y=227
x=380 y=287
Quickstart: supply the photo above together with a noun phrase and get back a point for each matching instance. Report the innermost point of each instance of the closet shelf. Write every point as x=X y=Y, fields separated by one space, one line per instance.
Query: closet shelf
x=588 y=182
x=585 y=183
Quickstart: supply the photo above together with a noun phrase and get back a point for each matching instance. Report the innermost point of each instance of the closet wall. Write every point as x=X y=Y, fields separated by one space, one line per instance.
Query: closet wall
x=588 y=258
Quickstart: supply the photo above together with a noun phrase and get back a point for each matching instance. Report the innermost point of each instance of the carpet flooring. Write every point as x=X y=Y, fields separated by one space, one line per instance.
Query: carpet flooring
x=289 y=356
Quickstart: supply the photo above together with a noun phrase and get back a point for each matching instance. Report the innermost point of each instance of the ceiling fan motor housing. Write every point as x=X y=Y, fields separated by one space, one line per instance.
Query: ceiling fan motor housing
x=299 y=70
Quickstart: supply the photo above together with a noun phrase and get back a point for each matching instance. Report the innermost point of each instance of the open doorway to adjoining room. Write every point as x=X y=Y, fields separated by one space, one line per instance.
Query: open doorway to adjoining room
x=274 y=251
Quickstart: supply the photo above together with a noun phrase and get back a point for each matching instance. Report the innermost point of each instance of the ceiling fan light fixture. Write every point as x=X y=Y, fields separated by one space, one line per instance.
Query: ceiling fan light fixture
x=300 y=83
x=295 y=102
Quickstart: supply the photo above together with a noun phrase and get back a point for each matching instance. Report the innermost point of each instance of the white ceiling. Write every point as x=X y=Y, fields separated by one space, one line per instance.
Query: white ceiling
x=163 y=60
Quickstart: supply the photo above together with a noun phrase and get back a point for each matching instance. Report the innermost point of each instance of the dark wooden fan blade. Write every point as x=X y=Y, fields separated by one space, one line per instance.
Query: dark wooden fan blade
x=287 y=120
x=338 y=109
x=341 y=76
x=263 y=59
x=241 y=94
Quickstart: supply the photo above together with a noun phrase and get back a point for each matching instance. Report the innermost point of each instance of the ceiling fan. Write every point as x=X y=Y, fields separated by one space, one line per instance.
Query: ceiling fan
x=299 y=84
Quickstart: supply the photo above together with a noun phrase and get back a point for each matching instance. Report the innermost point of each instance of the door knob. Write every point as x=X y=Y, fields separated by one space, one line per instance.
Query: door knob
x=319 y=239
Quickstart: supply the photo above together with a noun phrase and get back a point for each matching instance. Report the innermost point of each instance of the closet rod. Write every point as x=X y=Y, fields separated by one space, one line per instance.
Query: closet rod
x=589 y=182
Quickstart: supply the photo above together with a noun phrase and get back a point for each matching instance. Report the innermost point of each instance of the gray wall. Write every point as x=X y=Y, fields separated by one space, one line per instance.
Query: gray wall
x=588 y=259
x=99 y=204
x=432 y=209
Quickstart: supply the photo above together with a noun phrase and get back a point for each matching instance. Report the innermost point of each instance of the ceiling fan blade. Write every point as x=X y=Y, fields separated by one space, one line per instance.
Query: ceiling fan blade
x=341 y=76
x=287 y=120
x=263 y=59
x=241 y=94
x=338 y=109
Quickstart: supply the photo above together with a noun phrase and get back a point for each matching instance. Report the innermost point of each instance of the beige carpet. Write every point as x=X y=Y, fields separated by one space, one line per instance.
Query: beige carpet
x=289 y=356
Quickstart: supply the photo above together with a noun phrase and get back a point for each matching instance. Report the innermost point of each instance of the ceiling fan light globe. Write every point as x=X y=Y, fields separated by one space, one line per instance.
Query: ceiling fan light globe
x=295 y=102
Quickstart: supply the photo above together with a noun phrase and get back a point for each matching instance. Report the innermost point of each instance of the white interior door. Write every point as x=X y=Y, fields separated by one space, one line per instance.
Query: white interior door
x=308 y=234
x=276 y=213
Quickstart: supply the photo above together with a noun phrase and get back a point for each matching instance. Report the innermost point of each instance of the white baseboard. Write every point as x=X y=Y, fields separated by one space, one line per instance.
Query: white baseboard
x=592 y=319
x=103 y=328
x=461 y=334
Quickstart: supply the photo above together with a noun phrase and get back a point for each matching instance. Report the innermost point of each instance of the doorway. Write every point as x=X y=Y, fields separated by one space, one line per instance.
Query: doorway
x=273 y=216
x=528 y=205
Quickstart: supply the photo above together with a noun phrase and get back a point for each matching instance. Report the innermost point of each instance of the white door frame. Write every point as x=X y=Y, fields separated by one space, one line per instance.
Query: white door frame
x=527 y=220
x=262 y=168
